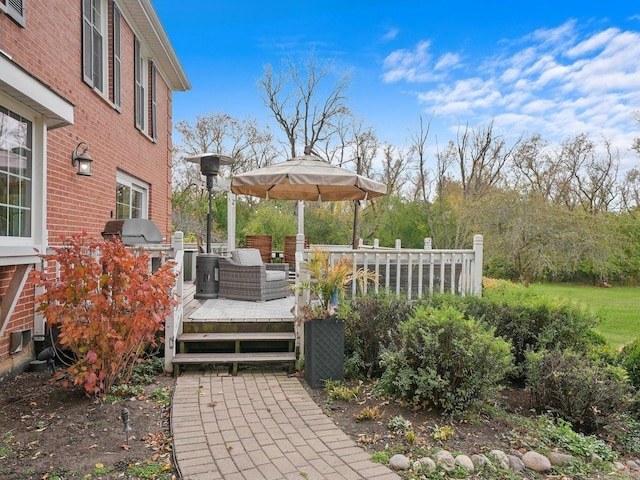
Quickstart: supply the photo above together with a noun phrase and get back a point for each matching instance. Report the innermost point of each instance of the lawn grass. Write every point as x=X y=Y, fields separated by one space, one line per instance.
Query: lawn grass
x=618 y=307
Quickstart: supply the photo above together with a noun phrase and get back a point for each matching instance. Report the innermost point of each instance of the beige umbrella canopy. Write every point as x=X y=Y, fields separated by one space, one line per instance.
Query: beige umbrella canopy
x=306 y=177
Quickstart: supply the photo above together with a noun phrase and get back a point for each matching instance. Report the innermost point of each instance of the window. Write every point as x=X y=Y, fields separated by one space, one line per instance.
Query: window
x=93 y=26
x=140 y=84
x=15 y=9
x=116 y=59
x=131 y=197
x=15 y=174
x=145 y=92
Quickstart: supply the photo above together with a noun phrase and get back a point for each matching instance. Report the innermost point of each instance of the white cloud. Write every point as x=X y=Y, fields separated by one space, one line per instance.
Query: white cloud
x=390 y=34
x=417 y=65
x=558 y=82
x=447 y=61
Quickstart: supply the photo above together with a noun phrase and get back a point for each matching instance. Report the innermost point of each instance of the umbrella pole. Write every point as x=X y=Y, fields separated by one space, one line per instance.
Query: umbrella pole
x=300 y=206
x=356 y=205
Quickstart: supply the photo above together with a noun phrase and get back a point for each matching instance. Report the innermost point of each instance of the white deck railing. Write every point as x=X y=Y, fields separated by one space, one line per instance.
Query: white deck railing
x=413 y=272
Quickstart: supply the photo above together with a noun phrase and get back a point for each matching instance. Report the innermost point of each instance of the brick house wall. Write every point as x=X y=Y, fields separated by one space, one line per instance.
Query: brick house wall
x=48 y=48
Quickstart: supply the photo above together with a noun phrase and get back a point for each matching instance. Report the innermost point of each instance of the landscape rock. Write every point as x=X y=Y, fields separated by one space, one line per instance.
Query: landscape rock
x=560 y=459
x=399 y=462
x=633 y=466
x=536 y=461
x=445 y=460
x=480 y=461
x=516 y=464
x=501 y=457
x=618 y=466
x=428 y=464
x=465 y=462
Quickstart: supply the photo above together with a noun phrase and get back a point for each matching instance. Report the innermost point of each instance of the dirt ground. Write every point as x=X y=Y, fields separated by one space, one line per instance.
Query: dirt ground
x=49 y=432
x=478 y=435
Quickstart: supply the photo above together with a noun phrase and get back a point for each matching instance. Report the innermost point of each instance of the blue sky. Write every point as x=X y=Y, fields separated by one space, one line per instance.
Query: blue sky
x=556 y=68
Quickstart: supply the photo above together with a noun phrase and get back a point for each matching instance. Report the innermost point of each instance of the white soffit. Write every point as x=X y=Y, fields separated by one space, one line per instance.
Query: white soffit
x=27 y=90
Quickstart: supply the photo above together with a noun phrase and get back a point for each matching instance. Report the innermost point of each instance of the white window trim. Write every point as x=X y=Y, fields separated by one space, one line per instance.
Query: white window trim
x=136 y=185
x=144 y=101
x=19 y=16
x=116 y=33
x=11 y=247
x=104 y=30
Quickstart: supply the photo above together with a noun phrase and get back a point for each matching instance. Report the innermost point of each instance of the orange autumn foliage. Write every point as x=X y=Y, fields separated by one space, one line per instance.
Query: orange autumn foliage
x=108 y=306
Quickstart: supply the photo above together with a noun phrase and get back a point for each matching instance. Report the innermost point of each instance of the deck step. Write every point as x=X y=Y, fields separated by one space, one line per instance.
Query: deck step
x=237 y=336
x=259 y=357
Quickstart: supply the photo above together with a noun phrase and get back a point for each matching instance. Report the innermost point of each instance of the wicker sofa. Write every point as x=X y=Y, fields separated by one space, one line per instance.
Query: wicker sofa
x=243 y=276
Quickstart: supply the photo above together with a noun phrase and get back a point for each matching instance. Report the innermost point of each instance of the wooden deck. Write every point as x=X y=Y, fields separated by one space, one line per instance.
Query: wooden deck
x=226 y=310
x=234 y=332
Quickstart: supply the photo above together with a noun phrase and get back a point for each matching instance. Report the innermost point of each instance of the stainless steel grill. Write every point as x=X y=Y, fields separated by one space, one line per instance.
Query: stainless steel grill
x=133 y=231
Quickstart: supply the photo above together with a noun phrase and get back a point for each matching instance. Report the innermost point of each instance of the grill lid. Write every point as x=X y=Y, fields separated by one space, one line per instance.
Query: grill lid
x=133 y=231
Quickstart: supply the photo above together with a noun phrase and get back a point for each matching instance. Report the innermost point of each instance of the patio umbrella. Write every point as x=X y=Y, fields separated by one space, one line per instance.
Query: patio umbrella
x=306 y=177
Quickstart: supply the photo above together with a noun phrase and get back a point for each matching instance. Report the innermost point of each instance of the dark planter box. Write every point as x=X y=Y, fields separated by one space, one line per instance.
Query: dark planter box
x=323 y=351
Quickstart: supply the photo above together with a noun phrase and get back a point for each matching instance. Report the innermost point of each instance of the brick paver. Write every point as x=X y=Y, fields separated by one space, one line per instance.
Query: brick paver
x=260 y=425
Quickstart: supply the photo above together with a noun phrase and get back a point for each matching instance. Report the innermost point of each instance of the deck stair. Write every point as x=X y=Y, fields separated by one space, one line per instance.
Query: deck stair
x=233 y=343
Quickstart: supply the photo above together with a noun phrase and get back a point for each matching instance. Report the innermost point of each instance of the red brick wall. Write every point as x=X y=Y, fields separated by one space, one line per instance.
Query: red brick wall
x=50 y=49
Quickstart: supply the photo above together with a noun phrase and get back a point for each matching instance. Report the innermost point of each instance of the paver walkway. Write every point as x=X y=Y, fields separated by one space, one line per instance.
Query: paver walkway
x=260 y=426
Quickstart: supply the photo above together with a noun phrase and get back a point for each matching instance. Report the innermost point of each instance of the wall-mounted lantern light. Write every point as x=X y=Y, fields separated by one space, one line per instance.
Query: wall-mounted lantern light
x=82 y=160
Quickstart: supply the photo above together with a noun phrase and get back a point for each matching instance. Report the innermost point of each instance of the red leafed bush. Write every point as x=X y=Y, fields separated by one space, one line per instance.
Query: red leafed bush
x=108 y=306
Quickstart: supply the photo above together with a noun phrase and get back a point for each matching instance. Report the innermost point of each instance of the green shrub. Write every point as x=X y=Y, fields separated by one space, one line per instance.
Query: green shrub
x=353 y=366
x=531 y=322
x=371 y=324
x=445 y=361
x=630 y=360
x=572 y=386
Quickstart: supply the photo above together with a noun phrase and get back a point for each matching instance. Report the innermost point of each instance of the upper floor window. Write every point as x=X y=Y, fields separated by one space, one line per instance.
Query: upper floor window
x=15 y=174
x=140 y=87
x=132 y=197
x=15 y=9
x=145 y=92
x=94 y=23
x=115 y=56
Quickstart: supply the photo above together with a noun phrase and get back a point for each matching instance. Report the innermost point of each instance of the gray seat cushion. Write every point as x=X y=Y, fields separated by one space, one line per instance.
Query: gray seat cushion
x=274 y=275
x=249 y=257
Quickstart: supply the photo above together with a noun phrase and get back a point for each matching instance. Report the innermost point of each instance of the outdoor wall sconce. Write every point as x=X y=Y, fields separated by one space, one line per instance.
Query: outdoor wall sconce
x=82 y=160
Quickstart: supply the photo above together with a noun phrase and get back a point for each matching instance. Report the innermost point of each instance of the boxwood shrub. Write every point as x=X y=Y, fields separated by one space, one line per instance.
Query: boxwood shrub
x=445 y=361
x=371 y=324
x=529 y=321
x=572 y=386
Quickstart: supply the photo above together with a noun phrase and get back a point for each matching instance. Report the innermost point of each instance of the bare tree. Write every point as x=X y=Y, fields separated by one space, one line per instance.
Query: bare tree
x=590 y=177
x=481 y=157
x=296 y=98
x=630 y=190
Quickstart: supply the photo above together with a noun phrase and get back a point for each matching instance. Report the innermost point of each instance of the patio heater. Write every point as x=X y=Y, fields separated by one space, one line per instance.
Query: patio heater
x=207 y=272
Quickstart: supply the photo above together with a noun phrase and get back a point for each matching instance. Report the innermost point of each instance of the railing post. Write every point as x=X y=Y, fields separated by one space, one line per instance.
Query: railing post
x=398 y=244
x=231 y=221
x=427 y=244
x=476 y=282
x=170 y=332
